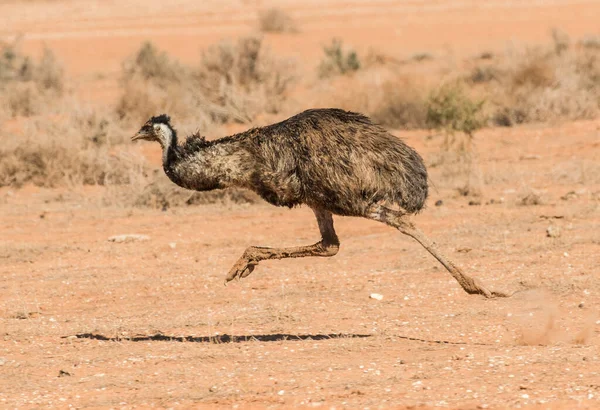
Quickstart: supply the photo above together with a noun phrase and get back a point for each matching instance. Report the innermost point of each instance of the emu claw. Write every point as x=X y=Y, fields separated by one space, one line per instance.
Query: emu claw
x=476 y=287
x=242 y=268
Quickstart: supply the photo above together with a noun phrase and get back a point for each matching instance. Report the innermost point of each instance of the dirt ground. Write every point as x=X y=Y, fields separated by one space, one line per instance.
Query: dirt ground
x=86 y=322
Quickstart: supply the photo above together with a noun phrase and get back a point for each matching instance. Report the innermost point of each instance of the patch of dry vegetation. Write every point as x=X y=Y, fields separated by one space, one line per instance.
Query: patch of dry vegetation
x=276 y=20
x=402 y=106
x=338 y=60
x=69 y=145
x=56 y=142
x=561 y=82
x=160 y=193
x=75 y=148
x=233 y=82
x=28 y=87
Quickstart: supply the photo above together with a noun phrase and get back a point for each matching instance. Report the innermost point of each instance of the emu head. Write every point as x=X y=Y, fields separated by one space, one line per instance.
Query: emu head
x=157 y=128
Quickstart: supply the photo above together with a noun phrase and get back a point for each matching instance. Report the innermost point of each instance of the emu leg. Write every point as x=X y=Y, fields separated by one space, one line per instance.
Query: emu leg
x=401 y=222
x=327 y=246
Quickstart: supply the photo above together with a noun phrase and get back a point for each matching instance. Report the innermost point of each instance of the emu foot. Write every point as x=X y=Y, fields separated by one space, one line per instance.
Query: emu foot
x=476 y=287
x=242 y=268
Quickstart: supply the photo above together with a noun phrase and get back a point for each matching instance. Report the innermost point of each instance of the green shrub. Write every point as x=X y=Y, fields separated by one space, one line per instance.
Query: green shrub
x=450 y=109
x=338 y=61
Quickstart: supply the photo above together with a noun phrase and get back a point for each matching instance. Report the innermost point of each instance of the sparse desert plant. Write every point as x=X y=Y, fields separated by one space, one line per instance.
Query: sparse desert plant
x=483 y=74
x=424 y=56
x=561 y=41
x=244 y=79
x=403 y=105
x=276 y=20
x=28 y=87
x=337 y=60
x=450 y=109
x=153 y=82
x=160 y=193
x=592 y=42
x=151 y=64
x=546 y=86
x=232 y=82
x=70 y=149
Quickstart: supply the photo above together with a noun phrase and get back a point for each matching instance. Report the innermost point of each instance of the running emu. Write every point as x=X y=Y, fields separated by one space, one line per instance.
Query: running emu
x=334 y=161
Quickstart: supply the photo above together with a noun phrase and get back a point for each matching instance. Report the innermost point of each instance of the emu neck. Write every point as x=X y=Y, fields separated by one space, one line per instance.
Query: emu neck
x=203 y=169
x=169 y=148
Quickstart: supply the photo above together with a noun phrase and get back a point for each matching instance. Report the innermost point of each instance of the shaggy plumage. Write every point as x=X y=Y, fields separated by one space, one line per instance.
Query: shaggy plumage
x=325 y=158
x=334 y=161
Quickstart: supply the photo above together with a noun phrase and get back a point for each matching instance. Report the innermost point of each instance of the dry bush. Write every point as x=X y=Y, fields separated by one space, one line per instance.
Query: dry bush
x=338 y=60
x=233 y=82
x=154 y=83
x=402 y=105
x=423 y=56
x=451 y=109
x=161 y=193
x=156 y=191
x=28 y=87
x=275 y=20
x=244 y=79
x=543 y=86
x=592 y=42
x=70 y=149
x=483 y=74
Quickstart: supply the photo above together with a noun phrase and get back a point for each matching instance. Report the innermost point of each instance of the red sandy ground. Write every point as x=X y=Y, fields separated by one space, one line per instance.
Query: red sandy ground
x=89 y=323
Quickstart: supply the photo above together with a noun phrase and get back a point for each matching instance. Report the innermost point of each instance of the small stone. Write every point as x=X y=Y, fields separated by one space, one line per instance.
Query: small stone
x=376 y=296
x=172 y=245
x=474 y=203
x=439 y=202
x=128 y=238
x=63 y=373
x=581 y=305
x=281 y=392
x=553 y=231
x=569 y=196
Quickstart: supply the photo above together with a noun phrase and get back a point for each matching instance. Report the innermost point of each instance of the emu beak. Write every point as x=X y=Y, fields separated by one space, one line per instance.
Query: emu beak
x=138 y=136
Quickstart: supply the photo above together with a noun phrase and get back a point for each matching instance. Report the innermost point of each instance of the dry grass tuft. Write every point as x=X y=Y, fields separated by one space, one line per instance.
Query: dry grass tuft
x=338 y=60
x=276 y=20
x=28 y=87
x=402 y=106
x=71 y=149
x=158 y=192
x=233 y=82
x=546 y=86
x=244 y=79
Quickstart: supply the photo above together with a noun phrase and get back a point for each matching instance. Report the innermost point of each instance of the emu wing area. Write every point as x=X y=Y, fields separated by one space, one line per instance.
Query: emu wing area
x=336 y=160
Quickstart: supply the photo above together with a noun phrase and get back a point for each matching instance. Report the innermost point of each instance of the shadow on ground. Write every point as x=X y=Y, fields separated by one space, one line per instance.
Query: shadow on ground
x=276 y=337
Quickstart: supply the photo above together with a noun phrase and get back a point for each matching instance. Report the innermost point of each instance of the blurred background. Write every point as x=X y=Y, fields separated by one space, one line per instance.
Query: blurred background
x=78 y=77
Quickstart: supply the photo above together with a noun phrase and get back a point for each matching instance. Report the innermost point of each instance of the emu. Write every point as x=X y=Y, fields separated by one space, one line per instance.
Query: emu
x=334 y=161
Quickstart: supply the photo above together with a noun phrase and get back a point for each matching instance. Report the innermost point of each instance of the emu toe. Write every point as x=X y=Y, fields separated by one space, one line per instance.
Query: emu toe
x=242 y=268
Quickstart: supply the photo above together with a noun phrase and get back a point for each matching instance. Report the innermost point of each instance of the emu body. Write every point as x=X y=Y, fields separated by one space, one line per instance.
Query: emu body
x=334 y=161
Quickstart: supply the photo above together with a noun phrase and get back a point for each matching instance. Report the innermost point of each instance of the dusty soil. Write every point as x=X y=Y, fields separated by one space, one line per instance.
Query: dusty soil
x=85 y=322
x=89 y=322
